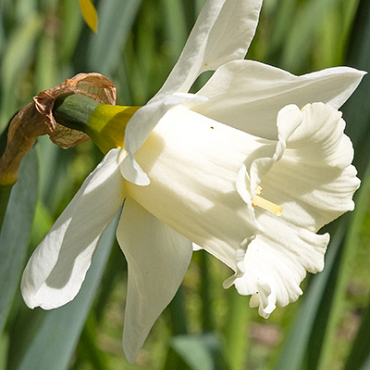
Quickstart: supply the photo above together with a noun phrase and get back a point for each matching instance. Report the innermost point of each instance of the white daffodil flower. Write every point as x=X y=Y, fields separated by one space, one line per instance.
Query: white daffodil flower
x=249 y=168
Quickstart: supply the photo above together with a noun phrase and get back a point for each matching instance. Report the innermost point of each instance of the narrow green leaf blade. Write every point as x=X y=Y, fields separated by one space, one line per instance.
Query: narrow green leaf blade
x=359 y=358
x=236 y=342
x=16 y=231
x=105 y=47
x=70 y=32
x=294 y=350
x=306 y=23
x=18 y=55
x=175 y=26
x=323 y=338
x=55 y=333
x=357 y=110
x=201 y=352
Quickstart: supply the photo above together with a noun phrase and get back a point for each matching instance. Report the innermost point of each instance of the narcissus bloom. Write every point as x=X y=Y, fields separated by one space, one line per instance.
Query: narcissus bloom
x=249 y=168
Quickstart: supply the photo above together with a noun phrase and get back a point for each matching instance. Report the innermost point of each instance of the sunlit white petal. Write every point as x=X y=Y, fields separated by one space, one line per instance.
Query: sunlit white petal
x=146 y=118
x=248 y=95
x=193 y=164
x=57 y=268
x=131 y=171
x=314 y=182
x=222 y=33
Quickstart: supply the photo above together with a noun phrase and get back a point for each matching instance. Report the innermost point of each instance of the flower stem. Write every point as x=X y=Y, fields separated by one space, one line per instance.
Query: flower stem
x=104 y=123
x=74 y=111
x=205 y=284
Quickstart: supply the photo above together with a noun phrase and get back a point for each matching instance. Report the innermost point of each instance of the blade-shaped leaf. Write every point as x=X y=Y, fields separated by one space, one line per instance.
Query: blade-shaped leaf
x=15 y=61
x=70 y=32
x=201 y=352
x=359 y=358
x=325 y=330
x=54 y=334
x=105 y=47
x=175 y=26
x=357 y=110
x=305 y=25
x=236 y=342
x=319 y=313
x=16 y=231
x=294 y=350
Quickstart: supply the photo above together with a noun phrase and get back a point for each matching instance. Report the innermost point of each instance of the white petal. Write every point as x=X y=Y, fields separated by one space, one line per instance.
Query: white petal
x=57 y=268
x=248 y=95
x=314 y=177
x=132 y=172
x=193 y=165
x=157 y=258
x=276 y=263
x=319 y=140
x=146 y=118
x=222 y=33
x=196 y=247
x=257 y=168
x=314 y=183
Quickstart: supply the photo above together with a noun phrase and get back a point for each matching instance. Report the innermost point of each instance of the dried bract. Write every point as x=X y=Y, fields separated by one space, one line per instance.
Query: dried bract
x=36 y=119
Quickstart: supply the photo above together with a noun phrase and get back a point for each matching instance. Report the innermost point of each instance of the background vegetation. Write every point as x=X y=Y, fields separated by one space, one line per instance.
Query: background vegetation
x=43 y=42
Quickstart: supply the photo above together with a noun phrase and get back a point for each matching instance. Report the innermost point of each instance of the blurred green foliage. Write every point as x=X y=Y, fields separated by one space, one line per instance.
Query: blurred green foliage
x=43 y=42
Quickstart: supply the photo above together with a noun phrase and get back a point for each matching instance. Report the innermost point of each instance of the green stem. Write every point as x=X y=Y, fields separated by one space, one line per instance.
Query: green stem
x=105 y=124
x=236 y=330
x=178 y=314
x=205 y=284
x=74 y=111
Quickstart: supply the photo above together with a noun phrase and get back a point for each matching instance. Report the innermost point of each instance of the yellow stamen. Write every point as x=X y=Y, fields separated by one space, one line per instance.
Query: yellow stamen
x=265 y=204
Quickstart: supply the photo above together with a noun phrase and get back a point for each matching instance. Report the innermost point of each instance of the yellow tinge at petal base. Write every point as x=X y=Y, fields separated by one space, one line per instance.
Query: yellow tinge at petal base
x=107 y=124
x=104 y=123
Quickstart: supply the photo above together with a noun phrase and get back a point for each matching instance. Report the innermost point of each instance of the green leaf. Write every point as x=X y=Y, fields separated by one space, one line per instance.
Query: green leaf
x=179 y=321
x=357 y=110
x=199 y=352
x=105 y=47
x=15 y=232
x=324 y=338
x=281 y=23
x=298 y=31
x=46 y=75
x=18 y=55
x=306 y=24
x=359 y=358
x=315 y=326
x=205 y=292
x=175 y=26
x=88 y=349
x=23 y=10
x=236 y=329
x=294 y=350
x=55 y=333
x=70 y=32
